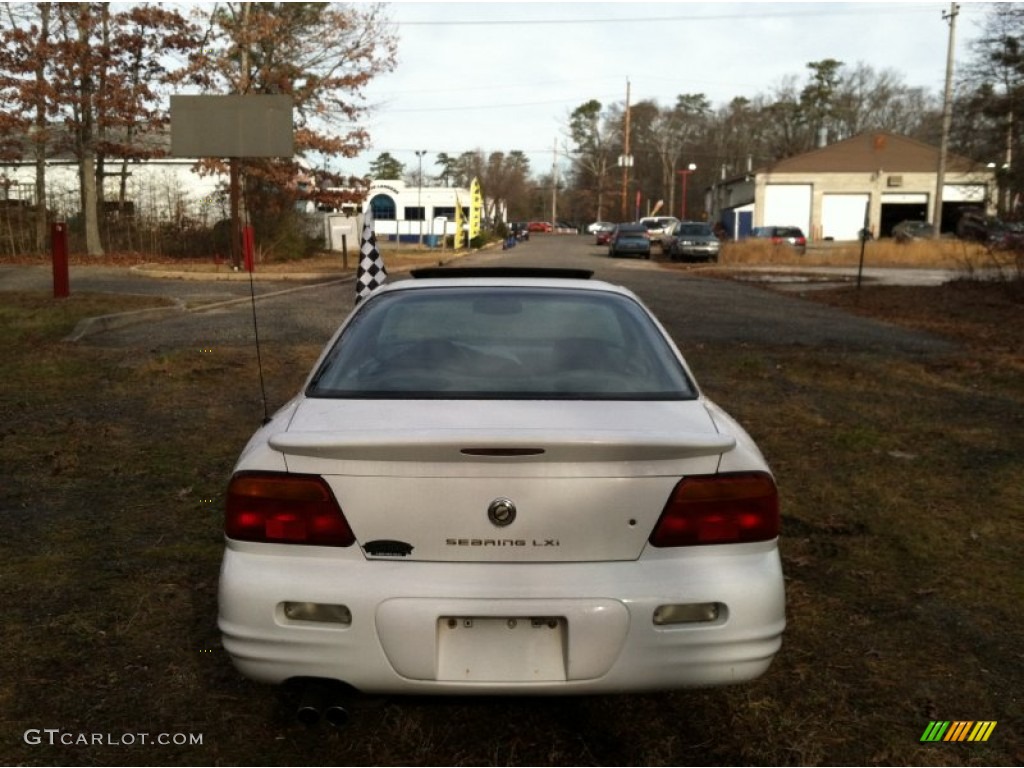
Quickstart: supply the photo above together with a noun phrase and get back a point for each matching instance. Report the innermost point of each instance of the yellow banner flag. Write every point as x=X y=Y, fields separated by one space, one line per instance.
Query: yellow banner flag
x=476 y=209
x=458 y=223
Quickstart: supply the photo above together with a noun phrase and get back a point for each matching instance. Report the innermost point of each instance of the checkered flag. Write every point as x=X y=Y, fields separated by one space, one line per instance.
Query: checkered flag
x=371 y=273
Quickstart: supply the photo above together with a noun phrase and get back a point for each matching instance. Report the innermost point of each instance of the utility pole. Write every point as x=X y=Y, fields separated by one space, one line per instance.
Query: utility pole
x=627 y=158
x=419 y=191
x=947 y=119
x=554 y=186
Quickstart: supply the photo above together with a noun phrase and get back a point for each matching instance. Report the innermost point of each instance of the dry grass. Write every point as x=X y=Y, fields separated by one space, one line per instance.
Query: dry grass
x=396 y=258
x=903 y=527
x=945 y=254
x=323 y=264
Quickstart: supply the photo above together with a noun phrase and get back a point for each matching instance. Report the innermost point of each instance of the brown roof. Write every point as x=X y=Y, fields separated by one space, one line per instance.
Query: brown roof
x=872 y=151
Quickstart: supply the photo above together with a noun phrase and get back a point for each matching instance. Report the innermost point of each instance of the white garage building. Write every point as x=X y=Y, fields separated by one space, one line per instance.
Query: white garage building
x=878 y=179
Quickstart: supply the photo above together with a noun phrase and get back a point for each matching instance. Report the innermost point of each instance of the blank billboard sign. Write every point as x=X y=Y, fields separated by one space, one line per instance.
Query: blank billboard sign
x=232 y=126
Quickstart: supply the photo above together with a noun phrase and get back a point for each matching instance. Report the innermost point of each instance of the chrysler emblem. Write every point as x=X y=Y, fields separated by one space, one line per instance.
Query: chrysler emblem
x=501 y=512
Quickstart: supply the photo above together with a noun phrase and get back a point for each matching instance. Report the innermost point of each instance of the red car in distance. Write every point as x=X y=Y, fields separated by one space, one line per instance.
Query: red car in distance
x=539 y=226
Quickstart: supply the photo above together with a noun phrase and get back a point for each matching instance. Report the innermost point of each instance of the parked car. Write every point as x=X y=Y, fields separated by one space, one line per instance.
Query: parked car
x=989 y=230
x=691 y=240
x=500 y=482
x=659 y=226
x=604 y=236
x=630 y=240
x=907 y=231
x=519 y=229
x=599 y=228
x=540 y=226
x=792 y=236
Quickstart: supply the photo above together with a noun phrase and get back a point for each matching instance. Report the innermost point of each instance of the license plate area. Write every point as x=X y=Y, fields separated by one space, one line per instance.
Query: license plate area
x=501 y=649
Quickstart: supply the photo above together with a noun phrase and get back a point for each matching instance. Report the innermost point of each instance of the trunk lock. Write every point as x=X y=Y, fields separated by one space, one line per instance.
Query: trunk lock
x=501 y=512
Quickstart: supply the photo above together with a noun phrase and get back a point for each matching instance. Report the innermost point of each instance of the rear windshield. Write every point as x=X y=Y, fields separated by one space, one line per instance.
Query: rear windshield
x=695 y=230
x=502 y=343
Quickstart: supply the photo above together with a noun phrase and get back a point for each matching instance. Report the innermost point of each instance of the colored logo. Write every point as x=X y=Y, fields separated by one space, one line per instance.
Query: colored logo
x=958 y=730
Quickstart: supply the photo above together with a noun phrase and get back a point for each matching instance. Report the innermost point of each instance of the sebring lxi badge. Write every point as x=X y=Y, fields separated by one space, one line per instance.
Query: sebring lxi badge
x=501 y=512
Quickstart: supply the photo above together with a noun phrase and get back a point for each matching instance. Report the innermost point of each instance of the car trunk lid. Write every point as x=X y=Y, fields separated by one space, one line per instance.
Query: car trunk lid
x=466 y=481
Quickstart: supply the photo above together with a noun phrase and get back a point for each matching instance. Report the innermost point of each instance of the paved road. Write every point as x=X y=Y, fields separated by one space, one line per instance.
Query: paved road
x=695 y=309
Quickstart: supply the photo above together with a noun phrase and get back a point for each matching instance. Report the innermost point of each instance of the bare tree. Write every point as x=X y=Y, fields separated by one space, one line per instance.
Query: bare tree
x=25 y=43
x=594 y=140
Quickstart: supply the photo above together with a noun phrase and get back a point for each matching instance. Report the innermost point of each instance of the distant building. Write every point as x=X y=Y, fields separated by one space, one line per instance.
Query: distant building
x=403 y=212
x=169 y=189
x=828 y=192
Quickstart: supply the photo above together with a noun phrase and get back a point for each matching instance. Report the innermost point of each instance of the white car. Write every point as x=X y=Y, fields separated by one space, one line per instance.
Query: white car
x=501 y=482
x=659 y=226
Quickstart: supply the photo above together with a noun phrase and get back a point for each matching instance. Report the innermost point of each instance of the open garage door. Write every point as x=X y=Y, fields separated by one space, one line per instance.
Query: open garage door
x=902 y=206
x=842 y=216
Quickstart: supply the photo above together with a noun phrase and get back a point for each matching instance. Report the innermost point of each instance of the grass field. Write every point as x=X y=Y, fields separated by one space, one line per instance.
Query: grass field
x=902 y=539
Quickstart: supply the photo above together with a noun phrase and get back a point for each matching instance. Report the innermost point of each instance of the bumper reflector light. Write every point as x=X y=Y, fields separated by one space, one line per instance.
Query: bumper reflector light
x=688 y=613
x=322 y=612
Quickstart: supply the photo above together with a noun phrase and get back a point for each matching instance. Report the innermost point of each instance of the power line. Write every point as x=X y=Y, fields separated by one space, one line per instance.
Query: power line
x=502 y=105
x=761 y=14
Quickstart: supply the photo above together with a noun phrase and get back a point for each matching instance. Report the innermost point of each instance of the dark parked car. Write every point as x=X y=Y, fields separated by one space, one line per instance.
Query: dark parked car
x=989 y=230
x=630 y=240
x=792 y=236
x=907 y=231
x=691 y=240
x=519 y=229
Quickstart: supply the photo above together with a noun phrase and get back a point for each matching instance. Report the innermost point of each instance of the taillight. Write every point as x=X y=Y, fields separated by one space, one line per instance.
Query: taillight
x=284 y=508
x=776 y=240
x=719 y=509
x=801 y=241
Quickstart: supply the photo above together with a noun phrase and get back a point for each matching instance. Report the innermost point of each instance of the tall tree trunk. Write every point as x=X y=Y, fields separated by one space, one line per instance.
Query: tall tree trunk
x=93 y=245
x=42 y=233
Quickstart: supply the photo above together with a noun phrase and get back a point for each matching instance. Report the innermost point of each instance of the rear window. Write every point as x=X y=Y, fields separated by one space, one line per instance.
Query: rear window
x=694 y=230
x=501 y=343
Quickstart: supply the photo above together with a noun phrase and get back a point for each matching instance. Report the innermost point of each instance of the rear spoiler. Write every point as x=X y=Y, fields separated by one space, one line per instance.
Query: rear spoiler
x=555 y=273
x=526 y=445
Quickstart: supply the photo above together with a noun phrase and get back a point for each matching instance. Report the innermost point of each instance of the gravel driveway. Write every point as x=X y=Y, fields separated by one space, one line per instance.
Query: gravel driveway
x=695 y=309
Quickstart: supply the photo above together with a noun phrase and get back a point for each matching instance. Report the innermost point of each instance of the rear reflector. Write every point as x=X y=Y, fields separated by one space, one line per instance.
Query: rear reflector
x=321 y=612
x=687 y=613
x=283 y=508
x=719 y=509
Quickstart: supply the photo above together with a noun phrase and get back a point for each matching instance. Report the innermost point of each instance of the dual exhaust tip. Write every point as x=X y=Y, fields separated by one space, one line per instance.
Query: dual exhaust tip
x=325 y=700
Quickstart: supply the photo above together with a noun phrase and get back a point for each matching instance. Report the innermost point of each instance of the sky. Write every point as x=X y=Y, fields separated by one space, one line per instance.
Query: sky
x=495 y=76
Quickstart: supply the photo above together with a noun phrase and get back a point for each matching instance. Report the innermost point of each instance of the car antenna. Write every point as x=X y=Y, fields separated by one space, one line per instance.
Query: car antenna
x=255 y=327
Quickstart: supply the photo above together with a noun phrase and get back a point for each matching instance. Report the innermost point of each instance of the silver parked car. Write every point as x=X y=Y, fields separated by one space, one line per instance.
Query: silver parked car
x=691 y=240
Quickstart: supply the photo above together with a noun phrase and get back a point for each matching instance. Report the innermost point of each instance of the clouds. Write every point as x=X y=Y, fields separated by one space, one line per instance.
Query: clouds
x=504 y=76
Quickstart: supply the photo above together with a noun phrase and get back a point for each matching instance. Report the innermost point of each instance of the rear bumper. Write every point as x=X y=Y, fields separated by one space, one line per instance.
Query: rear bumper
x=605 y=640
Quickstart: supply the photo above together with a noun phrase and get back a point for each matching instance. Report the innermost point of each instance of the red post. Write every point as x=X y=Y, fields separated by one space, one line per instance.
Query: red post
x=59 y=253
x=249 y=247
x=685 y=174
